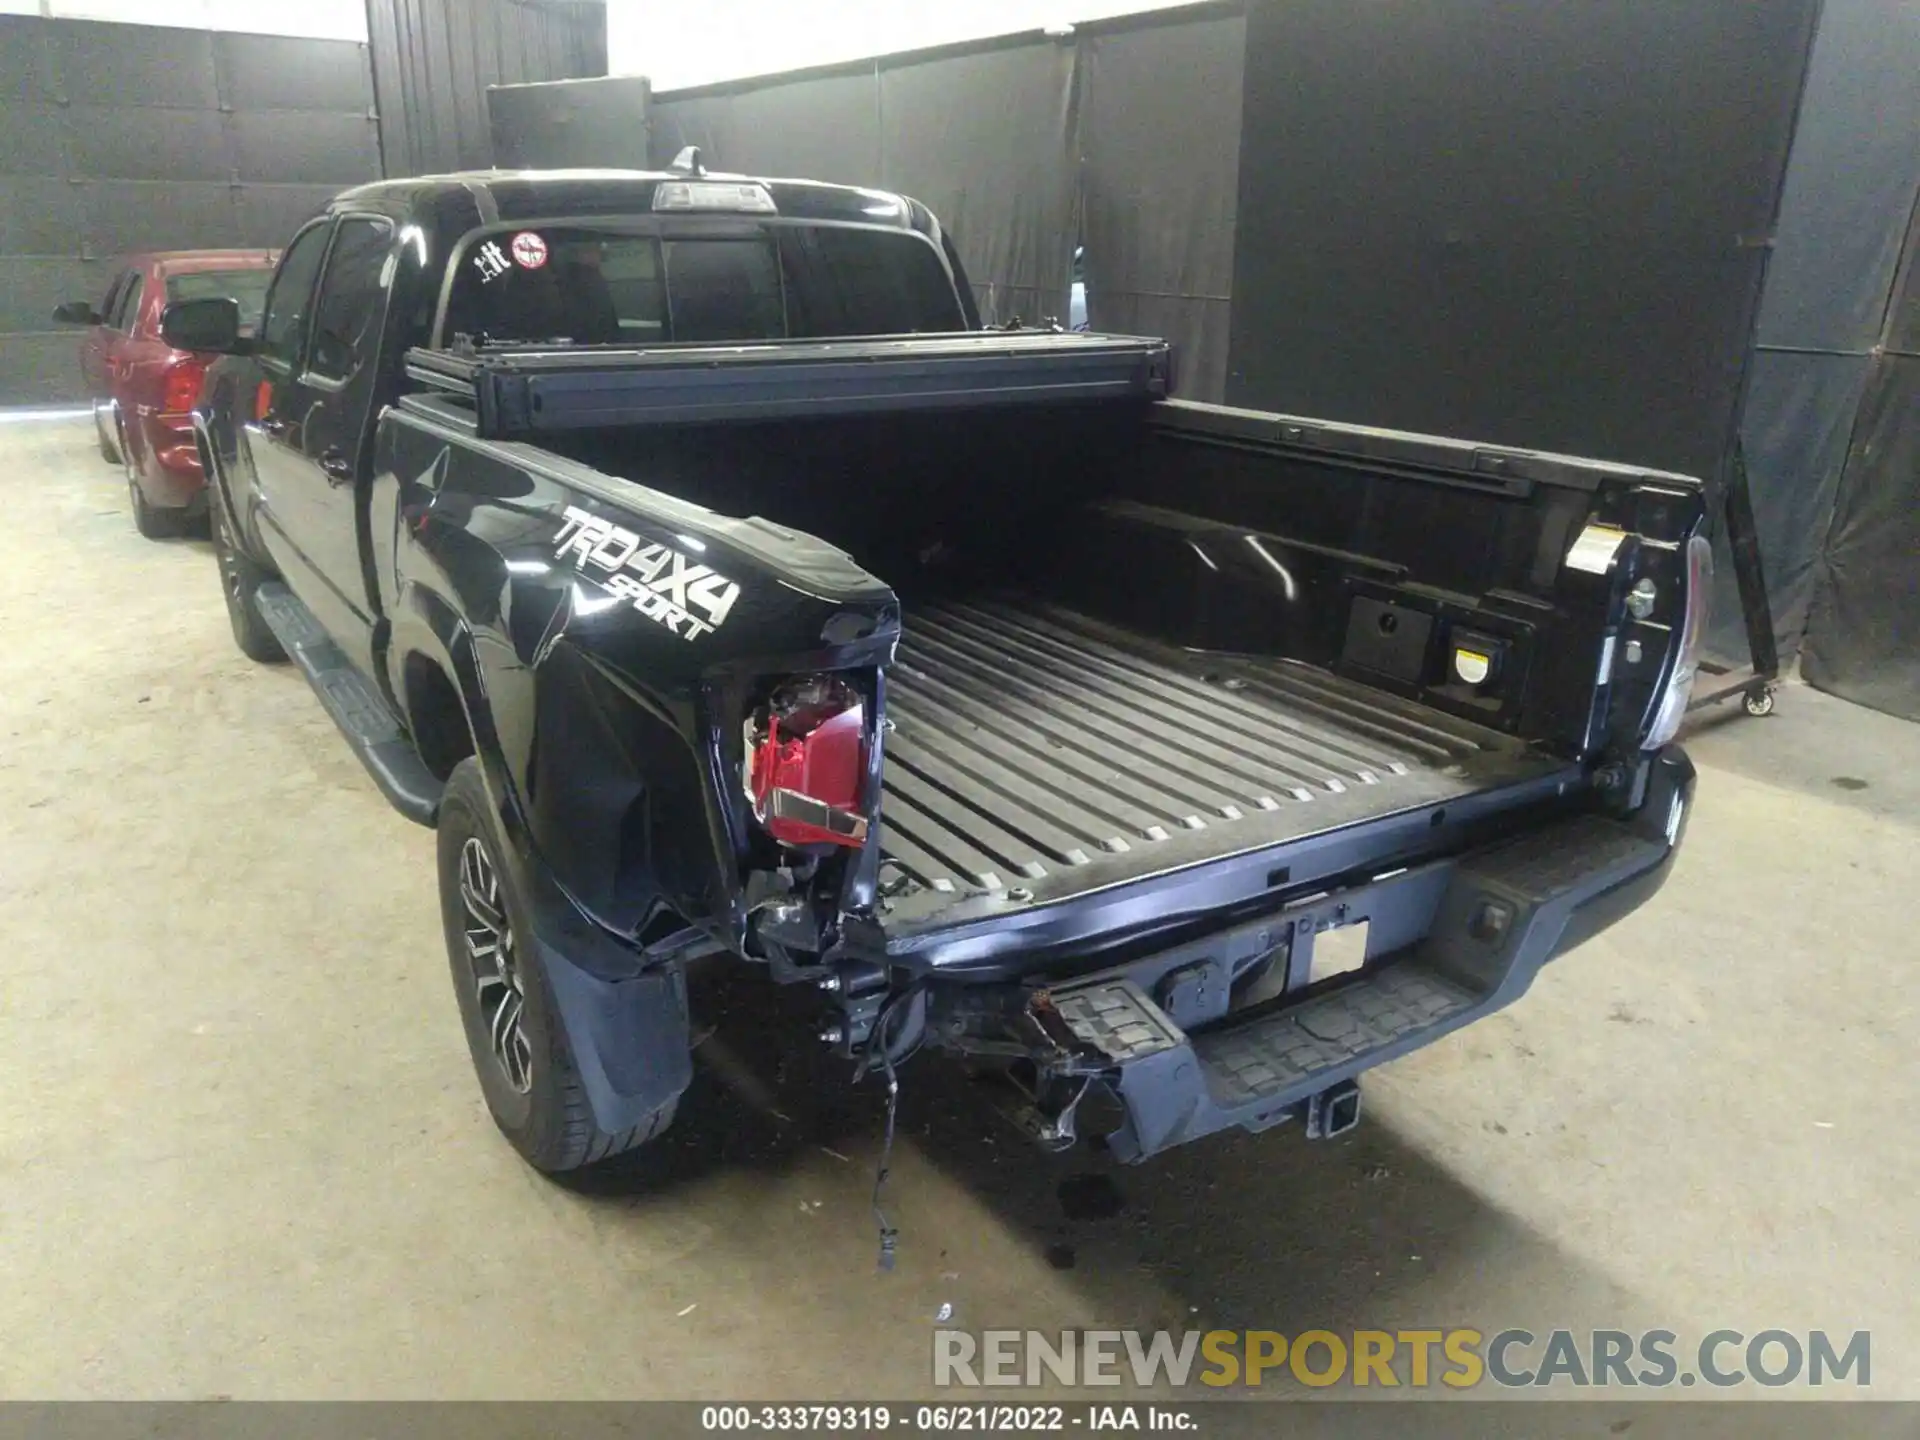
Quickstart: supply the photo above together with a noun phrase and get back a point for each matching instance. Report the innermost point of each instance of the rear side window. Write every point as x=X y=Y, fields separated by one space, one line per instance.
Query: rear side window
x=587 y=285
x=112 y=302
x=353 y=296
x=128 y=309
x=248 y=288
x=284 y=325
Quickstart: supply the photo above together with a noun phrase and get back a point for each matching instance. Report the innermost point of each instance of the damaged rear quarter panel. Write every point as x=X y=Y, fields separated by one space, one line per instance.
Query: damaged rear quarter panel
x=605 y=639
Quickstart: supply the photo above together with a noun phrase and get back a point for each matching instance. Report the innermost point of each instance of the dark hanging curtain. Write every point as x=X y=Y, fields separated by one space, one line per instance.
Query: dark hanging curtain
x=1844 y=210
x=1159 y=174
x=1863 y=638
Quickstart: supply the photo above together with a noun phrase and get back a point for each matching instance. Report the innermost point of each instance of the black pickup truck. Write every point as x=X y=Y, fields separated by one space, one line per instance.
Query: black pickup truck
x=682 y=548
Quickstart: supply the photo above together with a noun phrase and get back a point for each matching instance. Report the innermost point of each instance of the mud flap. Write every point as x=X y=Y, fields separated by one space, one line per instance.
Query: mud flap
x=628 y=1037
x=626 y=1026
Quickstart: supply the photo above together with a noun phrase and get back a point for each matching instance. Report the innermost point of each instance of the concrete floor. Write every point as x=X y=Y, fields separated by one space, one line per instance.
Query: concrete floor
x=241 y=1152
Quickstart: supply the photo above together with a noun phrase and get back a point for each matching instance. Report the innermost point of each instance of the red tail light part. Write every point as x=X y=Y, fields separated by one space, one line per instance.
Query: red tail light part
x=181 y=390
x=808 y=764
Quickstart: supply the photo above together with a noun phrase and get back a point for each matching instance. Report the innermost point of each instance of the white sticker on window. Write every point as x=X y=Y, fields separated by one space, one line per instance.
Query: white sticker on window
x=1593 y=552
x=491 y=261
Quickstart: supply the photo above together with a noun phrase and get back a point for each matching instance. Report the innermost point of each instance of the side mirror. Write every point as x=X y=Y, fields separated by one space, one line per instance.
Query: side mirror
x=206 y=325
x=77 y=312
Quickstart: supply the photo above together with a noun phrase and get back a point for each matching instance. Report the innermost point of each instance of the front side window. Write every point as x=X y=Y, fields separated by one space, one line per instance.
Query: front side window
x=353 y=295
x=283 y=327
x=586 y=285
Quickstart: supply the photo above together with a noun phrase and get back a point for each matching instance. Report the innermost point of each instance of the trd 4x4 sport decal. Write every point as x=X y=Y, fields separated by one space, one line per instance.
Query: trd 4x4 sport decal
x=664 y=585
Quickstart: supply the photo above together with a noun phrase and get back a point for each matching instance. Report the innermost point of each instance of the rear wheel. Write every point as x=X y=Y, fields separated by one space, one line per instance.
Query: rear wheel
x=153 y=521
x=240 y=579
x=514 y=1033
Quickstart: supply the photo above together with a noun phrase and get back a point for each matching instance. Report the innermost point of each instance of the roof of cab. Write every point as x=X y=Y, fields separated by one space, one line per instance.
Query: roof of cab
x=459 y=200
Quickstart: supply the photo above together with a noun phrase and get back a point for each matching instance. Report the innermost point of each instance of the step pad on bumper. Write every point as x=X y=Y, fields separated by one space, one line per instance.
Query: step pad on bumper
x=1274 y=1058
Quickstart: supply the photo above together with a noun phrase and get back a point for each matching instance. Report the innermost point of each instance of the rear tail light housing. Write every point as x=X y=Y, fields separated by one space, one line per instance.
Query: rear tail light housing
x=180 y=390
x=806 y=767
x=1671 y=707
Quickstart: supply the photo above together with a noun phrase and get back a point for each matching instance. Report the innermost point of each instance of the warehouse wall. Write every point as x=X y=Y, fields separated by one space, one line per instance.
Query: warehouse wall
x=434 y=59
x=132 y=137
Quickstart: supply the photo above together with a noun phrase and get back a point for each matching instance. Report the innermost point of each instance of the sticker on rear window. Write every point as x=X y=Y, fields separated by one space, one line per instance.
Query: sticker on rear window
x=491 y=261
x=529 y=250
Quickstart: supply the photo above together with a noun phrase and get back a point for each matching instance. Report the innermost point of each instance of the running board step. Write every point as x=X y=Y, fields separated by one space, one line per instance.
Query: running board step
x=357 y=707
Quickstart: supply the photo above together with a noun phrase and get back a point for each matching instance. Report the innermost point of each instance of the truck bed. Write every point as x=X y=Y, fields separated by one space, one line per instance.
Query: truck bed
x=1032 y=747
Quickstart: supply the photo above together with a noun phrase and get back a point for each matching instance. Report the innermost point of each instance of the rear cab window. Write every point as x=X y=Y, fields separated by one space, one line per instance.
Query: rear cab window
x=614 y=284
x=248 y=288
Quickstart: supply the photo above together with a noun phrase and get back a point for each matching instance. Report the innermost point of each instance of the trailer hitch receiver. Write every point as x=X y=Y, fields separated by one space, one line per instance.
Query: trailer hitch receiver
x=1334 y=1111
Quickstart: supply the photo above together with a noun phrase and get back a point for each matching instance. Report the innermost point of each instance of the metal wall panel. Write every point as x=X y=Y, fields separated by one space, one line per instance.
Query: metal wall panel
x=115 y=138
x=27 y=71
x=275 y=72
x=136 y=65
x=126 y=215
x=33 y=140
x=434 y=59
x=302 y=147
x=148 y=144
x=39 y=214
x=561 y=124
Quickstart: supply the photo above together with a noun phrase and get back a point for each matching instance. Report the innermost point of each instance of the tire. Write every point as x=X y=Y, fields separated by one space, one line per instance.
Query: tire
x=109 y=451
x=514 y=1034
x=240 y=576
x=153 y=521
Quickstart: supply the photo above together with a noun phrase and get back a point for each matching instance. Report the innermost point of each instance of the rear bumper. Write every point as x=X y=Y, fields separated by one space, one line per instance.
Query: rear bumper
x=1450 y=942
x=169 y=462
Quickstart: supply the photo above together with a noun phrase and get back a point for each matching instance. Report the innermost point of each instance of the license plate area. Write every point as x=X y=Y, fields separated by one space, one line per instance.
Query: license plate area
x=1339 y=950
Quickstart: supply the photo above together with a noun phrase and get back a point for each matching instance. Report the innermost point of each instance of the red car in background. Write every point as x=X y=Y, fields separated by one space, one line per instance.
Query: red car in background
x=143 y=389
